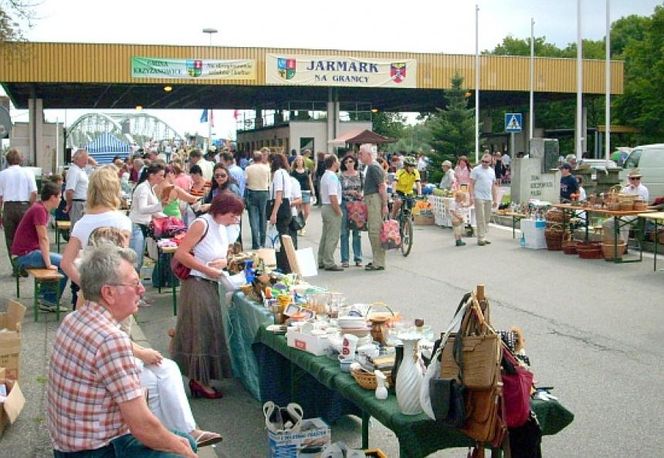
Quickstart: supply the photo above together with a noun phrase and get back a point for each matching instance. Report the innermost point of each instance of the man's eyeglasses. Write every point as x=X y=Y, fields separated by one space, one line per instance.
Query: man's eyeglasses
x=634 y=178
x=136 y=285
x=220 y=175
x=486 y=162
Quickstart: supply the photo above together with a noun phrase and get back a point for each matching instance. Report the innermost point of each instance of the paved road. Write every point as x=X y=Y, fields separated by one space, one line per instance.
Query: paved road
x=591 y=328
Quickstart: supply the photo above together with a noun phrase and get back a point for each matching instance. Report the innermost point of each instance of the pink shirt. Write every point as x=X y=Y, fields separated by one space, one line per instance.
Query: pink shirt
x=462 y=175
x=184 y=181
x=91 y=372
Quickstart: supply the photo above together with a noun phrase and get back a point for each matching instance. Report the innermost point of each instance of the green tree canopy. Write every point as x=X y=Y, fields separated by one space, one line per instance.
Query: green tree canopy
x=388 y=124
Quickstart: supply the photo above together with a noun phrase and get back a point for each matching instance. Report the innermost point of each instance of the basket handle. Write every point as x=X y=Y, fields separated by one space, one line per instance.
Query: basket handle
x=379 y=304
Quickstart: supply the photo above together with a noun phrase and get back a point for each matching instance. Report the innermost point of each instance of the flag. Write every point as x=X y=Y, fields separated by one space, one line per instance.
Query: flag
x=204 y=116
x=236 y=114
x=211 y=118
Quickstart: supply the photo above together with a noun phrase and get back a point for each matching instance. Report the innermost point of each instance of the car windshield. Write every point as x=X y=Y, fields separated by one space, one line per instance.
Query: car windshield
x=633 y=159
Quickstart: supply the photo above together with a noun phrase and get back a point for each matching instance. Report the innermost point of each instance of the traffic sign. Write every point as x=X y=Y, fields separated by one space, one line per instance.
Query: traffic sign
x=513 y=122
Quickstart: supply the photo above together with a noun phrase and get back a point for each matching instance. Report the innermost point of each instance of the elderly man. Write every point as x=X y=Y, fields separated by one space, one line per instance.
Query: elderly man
x=18 y=190
x=96 y=406
x=76 y=189
x=635 y=187
x=483 y=194
x=449 y=179
x=375 y=195
x=330 y=196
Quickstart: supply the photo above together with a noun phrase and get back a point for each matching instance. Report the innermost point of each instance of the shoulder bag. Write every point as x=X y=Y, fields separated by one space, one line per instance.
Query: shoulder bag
x=181 y=271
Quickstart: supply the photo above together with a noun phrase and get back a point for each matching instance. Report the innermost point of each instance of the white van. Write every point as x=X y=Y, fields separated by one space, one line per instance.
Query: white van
x=649 y=159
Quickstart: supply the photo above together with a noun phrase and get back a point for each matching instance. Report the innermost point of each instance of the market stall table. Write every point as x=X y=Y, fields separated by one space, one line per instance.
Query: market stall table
x=621 y=218
x=516 y=217
x=657 y=218
x=441 y=206
x=418 y=435
x=60 y=228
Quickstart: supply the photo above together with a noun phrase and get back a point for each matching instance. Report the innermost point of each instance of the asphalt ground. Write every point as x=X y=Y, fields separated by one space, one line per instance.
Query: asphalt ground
x=591 y=329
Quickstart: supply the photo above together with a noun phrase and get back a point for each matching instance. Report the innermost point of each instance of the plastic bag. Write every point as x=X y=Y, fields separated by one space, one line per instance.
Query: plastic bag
x=272 y=239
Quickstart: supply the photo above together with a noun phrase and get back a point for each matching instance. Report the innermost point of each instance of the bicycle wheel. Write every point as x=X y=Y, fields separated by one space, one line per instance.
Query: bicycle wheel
x=406 y=236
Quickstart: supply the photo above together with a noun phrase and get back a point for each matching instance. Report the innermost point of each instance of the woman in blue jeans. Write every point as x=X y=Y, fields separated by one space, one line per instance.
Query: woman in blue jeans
x=144 y=205
x=351 y=186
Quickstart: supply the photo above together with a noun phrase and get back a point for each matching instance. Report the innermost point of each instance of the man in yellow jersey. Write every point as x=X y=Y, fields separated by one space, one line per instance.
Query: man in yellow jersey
x=406 y=179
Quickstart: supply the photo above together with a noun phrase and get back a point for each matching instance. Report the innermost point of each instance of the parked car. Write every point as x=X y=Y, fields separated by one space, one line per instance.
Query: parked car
x=649 y=159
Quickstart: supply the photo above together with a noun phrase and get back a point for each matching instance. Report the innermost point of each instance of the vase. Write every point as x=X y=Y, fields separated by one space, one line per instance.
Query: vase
x=409 y=377
x=398 y=357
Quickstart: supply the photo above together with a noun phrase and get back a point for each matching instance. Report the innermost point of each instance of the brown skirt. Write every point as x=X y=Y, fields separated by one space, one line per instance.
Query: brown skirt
x=199 y=345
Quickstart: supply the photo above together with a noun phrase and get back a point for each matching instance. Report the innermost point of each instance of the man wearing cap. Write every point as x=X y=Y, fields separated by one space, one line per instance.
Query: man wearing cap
x=568 y=184
x=449 y=179
x=635 y=187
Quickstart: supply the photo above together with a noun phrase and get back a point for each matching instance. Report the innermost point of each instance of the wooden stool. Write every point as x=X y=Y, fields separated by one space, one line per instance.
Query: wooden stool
x=61 y=226
x=170 y=251
x=45 y=276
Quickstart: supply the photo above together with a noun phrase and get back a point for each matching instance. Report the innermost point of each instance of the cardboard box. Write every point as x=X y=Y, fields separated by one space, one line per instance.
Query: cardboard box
x=423 y=219
x=316 y=345
x=314 y=435
x=10 y=339
x=13 y=404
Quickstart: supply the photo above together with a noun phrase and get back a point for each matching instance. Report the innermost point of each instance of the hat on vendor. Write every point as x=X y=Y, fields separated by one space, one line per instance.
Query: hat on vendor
x=634 y=173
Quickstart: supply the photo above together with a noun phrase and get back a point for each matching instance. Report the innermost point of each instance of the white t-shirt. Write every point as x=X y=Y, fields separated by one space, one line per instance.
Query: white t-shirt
x=77 y=181
x=329 y=186
x=640 y=191
x=281 y=182
x=507 y=160
x=89 y=222
x=483 y=181
x=17 y=184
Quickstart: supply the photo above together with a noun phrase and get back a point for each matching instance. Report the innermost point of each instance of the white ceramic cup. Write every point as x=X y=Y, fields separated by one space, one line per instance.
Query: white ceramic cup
x=348 y=346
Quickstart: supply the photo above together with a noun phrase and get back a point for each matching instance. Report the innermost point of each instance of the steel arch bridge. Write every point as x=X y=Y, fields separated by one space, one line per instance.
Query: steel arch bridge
x=129 y=128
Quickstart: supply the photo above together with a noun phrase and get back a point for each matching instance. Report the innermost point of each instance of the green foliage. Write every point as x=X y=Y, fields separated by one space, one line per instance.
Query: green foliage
x=415 y=138
x=521 y=47
x=452 y=129
x=625 y=30
x=388 y=124
x=12 y=14
x=642 y=104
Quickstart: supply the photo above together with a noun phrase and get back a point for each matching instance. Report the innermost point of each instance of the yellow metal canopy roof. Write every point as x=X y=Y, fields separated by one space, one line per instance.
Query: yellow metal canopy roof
x=79 y=75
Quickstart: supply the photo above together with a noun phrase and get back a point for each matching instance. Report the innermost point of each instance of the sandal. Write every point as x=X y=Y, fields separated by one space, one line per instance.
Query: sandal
x=372 y=267
x=344 y=265
x=206 y=438
x=358 y=263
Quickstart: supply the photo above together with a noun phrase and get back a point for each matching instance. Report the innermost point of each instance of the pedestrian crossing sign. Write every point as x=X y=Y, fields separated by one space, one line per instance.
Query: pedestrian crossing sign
x=513 y=122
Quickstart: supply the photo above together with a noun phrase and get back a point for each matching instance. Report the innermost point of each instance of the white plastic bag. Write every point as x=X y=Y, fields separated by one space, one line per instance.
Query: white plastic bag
x=272 y=238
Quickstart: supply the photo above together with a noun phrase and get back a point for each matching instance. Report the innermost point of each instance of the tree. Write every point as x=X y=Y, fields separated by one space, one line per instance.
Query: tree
x=12 y=14
x=388 y=124
x=415 y=138
x=642 y=104
x=452 y=129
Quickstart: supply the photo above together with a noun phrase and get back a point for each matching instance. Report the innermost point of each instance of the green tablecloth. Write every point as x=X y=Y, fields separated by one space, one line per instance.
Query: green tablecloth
x=418 y=435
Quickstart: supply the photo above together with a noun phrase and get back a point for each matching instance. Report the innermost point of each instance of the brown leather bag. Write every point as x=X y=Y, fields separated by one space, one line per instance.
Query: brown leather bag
x=480 y=350
x=484 y=421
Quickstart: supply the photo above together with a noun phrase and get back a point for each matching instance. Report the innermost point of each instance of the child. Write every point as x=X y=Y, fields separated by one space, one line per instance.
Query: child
x=457 y=214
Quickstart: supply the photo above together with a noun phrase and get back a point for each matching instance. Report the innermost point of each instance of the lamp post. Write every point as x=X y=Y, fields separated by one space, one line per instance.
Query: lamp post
x=210 y=31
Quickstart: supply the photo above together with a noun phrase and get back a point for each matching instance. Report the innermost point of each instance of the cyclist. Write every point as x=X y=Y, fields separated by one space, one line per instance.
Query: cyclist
x=406 y=179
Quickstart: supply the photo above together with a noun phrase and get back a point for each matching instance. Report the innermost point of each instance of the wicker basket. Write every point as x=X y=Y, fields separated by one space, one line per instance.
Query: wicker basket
x=608 y=250
x=554 y=215
x=554 y=237
x=590 y=250
x=626 y=205
x=569 y=246
x=640 y=205
x=367 y=380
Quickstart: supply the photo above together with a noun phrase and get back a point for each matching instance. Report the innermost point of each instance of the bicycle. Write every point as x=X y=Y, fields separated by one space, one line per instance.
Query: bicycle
x=405 y=218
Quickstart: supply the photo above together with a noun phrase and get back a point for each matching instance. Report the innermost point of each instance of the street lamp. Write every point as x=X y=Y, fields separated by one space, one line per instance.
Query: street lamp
x=210 y=31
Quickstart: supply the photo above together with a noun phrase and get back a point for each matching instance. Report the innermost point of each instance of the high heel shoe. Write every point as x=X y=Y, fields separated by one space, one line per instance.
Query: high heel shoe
x=200 y=391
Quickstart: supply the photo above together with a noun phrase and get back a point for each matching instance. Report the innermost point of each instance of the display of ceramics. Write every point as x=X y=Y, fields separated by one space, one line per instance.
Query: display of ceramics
x=409 y=377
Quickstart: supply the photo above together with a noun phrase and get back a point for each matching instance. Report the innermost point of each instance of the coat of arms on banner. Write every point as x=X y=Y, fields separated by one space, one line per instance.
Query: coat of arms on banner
x=398 y=71
x=286 y=67
x=195 y=67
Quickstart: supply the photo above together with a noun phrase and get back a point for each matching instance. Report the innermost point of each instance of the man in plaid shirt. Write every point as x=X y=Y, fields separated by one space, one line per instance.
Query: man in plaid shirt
x=95 y=401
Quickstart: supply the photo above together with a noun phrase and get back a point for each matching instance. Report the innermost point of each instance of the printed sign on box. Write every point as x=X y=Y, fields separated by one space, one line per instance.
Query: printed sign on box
x=314 y=434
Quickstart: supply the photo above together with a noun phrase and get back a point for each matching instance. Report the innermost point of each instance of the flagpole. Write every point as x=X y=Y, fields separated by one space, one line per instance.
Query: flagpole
x=477 y=85
x=579 y=83
x=531 y=117
x=209 y=129
x=607 y=114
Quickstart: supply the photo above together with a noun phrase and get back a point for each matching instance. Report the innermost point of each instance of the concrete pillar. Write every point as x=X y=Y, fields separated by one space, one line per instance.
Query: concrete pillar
x=332 y=118
x=35 y=130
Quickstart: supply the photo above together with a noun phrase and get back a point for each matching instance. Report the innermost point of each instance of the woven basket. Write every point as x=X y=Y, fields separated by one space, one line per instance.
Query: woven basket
x=569 y=246
x=554 y=237
x=640 y=205
x=367 y=380
x=608 y=250
x=554 y=215
x=590 y=250
x=626 y=205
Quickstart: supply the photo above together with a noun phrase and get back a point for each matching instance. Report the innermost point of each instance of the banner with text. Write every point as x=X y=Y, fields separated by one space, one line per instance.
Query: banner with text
x=298 y=70
x=152 y=67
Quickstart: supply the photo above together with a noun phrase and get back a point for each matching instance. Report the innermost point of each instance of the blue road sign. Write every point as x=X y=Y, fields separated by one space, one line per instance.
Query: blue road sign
x=513 y=122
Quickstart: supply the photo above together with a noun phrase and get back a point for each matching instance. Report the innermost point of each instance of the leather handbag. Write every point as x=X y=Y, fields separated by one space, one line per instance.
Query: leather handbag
x=180 y=271
x=447 y=401
x=478 y=346
x=297 y=222
x=166 y=226
x=517 y=383
x=483 y=417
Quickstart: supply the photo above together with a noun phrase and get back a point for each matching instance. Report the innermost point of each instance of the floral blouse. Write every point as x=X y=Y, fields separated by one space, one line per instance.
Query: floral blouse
x=350 y=184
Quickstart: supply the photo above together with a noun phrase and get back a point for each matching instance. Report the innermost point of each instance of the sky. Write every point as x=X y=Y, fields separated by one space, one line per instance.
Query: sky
x=438 y=26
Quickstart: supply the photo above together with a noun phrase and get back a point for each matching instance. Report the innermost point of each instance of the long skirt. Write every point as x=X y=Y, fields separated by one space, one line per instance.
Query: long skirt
x=199 y=345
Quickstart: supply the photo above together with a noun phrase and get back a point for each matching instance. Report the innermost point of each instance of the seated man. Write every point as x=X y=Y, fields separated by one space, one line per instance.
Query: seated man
x=31 y=242
x=406 y=179
x=95 y=400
